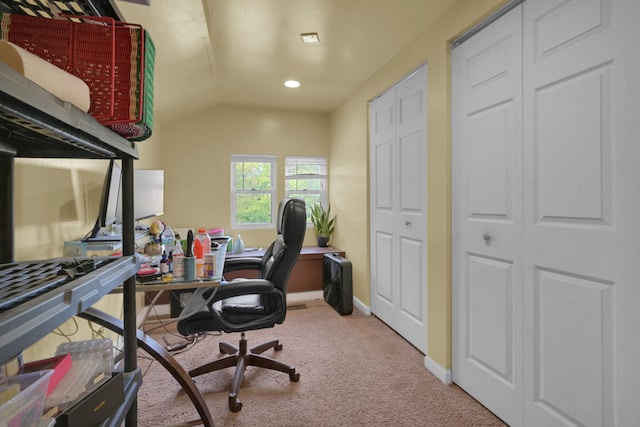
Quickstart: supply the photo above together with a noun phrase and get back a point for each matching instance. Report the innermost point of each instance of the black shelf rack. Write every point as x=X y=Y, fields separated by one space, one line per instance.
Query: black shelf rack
x=36 y=124
x=71 y=7
x=38 y=296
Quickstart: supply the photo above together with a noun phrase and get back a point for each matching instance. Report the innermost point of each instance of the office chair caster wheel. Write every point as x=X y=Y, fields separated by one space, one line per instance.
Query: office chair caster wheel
x=294 y=376
x=234 y=404
x=278 y=347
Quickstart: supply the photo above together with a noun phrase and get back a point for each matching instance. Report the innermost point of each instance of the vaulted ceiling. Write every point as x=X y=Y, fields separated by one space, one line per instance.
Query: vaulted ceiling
x=212 y=52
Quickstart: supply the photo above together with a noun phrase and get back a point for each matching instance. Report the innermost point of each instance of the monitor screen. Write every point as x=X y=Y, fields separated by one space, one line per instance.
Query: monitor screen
x=148 y=194
x=107 y=214
x=111 y=193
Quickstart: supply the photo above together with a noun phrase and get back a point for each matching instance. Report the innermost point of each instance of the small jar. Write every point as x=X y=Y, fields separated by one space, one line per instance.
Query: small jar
x=200 y=268
x=209 y=265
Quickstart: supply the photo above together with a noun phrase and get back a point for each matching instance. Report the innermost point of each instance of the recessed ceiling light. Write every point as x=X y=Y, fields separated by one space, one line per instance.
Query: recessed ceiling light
x=292 y=83
x=310 y=38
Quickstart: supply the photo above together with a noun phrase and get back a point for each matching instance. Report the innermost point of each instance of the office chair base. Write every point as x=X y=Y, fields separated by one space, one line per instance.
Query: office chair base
x=241 y=357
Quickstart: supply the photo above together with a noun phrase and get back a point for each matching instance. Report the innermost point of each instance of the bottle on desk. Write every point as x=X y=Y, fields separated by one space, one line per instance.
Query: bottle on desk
x=198 y=252
x=204 y=239
x=239 y=245
x=168 y=239
x=178 y=259
x=164 y=266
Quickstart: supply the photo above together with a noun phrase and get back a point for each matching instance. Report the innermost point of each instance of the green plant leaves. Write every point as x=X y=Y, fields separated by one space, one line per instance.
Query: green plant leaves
x=323 y=224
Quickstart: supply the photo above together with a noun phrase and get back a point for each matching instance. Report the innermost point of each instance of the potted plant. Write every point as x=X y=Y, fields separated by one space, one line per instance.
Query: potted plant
x=322 y=223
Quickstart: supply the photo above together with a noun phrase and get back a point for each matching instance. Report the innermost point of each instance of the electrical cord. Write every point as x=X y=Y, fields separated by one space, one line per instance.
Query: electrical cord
x=58 y=331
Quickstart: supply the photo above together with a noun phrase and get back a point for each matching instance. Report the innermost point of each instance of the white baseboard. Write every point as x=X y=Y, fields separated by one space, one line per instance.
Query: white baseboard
x=441 y=373
x=363 y=308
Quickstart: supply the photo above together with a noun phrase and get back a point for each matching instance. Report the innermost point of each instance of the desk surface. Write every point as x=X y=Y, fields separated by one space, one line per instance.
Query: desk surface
x=306 y=250
x=173 y=285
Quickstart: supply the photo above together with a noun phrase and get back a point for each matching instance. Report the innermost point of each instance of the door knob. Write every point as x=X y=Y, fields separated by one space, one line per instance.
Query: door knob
x=407 y=223
x=486 y=237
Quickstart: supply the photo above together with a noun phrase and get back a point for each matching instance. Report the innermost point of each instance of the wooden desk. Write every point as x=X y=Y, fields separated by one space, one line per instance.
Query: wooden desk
x=307 y=274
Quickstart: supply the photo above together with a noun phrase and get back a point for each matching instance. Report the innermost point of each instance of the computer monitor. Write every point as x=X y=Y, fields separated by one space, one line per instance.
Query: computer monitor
x=107 y=214
x=148 y=194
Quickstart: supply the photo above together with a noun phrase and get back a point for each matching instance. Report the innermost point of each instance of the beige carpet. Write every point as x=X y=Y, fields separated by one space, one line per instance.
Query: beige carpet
x=354 y=371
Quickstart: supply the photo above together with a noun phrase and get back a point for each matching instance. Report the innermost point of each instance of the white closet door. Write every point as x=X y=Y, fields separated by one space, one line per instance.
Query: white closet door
x=573 y=281
x=487 y=217
x=384 y=179
x=582 y=219
x=398 y=208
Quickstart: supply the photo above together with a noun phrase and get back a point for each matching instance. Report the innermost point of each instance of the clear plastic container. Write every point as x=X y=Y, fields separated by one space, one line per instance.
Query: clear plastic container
x=100 y=351
x=92 y=364
x=221 y=253
x=25 y=407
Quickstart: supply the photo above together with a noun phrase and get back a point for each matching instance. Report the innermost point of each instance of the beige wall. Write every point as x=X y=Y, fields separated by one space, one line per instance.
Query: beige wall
x=197 y=154
x=57 y=200
x=349 y=165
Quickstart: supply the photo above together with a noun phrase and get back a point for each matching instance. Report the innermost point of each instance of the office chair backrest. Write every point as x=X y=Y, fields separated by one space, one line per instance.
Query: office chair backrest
x=281 y=256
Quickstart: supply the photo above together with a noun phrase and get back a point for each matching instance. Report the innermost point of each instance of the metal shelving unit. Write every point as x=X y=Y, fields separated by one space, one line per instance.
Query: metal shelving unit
x=36 y=124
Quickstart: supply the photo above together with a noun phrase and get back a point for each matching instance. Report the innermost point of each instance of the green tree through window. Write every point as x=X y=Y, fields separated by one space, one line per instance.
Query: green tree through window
x=253 y=190
x=306 y=179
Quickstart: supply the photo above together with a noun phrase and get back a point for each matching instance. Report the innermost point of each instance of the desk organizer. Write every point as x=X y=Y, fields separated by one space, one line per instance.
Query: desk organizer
x=180 y=297
x=115 y=59
x=221 y=254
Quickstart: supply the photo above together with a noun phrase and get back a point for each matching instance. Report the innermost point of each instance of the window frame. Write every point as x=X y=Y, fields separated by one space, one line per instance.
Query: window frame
x=320 y=160
x=243 y=158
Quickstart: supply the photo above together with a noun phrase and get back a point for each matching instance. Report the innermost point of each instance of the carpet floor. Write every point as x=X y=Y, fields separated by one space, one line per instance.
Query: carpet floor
x=354 y=371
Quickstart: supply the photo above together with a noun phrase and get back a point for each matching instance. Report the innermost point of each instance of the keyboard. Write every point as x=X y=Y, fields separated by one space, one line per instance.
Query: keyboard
x=22 y=282
x=114 y=237
x=105 y=238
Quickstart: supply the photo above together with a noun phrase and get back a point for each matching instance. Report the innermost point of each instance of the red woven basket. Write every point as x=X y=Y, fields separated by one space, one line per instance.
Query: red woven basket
x=86 y=50
x=108 y=55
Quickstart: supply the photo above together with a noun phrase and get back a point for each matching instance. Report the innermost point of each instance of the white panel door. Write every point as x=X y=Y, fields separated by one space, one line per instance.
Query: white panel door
x=398 y=208
x=383 y=188
x=574 y=279
x=581 y=204
x=487 y=217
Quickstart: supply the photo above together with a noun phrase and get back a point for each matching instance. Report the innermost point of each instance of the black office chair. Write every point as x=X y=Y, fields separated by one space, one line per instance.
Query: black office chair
x=245 y=304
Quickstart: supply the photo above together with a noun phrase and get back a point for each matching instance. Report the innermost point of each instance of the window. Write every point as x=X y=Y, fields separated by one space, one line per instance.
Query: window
x=306 y=179
x=253 y=191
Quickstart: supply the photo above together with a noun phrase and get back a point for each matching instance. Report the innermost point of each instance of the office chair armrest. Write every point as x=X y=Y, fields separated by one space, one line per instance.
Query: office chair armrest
x=243 y=287
x=244 y=263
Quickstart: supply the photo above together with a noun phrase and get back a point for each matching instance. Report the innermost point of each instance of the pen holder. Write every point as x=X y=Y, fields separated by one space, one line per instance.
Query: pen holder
x=189 y=263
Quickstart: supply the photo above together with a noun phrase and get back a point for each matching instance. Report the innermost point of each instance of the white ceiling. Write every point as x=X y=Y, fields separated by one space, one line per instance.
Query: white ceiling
x=212 y=52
